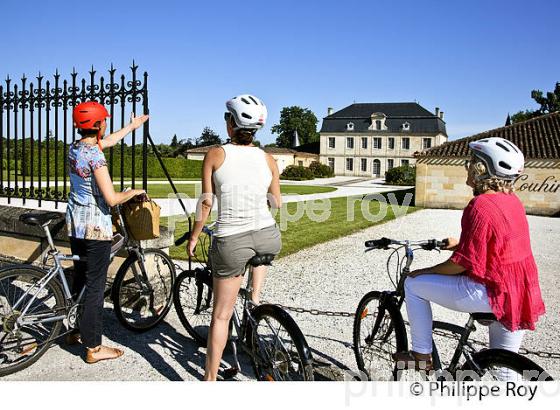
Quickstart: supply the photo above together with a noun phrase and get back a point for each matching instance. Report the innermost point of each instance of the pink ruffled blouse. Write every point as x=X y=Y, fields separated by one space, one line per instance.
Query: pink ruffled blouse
x=495 y=250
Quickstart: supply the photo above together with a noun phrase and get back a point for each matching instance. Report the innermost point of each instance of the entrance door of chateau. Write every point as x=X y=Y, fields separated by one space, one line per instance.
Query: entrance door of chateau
x=376 y=168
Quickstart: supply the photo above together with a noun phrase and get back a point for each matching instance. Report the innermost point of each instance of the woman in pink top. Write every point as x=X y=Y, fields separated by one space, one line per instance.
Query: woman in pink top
x=492 y=268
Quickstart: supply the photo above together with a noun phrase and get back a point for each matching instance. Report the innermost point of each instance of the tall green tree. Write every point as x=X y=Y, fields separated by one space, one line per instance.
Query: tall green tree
x=549 y=103
x=208 y=137
x=174 y=141
x=295 y=118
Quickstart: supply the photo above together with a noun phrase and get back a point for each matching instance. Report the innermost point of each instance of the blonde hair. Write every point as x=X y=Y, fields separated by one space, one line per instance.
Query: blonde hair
x=483 y=181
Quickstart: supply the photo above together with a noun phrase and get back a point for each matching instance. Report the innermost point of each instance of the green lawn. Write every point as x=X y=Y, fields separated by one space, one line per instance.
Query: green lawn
x=163 y=190
x=305 y=232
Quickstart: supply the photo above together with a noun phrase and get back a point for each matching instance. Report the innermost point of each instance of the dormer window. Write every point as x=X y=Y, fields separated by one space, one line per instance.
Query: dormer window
x=378 y=122
x=350 y=126
x=406 y=126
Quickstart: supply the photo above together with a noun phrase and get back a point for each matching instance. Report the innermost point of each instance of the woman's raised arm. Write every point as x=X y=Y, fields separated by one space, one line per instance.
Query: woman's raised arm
x=114 y=138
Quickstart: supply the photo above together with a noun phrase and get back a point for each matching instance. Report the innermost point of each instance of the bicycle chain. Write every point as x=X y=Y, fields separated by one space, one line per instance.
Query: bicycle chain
x=318 y=312
x=315 y=312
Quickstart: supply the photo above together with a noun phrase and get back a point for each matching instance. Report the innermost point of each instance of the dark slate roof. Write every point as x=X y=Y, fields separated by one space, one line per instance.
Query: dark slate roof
x=310 y=147
x=538 y=138
x=420 y=119
x=277 y=150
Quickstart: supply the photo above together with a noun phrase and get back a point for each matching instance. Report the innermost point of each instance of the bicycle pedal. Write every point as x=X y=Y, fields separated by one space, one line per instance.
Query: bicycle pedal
x=230 y=373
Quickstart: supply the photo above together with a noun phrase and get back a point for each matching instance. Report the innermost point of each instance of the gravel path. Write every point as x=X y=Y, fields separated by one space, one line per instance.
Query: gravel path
x=331 y=276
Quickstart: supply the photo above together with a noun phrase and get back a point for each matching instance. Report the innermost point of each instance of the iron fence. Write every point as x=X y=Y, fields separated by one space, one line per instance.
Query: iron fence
x=36 y=128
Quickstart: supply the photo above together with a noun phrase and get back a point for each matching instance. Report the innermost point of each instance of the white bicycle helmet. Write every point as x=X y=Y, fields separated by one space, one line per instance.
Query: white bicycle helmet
x=502 y=158
x=248 y=112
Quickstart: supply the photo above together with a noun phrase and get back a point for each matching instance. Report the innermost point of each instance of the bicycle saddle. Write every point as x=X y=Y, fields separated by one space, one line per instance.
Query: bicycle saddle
x=484 y=318
x=264 y=259
x=39 y=218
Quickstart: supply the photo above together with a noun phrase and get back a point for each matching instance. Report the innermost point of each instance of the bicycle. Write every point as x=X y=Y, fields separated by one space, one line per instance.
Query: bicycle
x=267 y=333
x=379 y=332
x=35 y=302
x=142 y=290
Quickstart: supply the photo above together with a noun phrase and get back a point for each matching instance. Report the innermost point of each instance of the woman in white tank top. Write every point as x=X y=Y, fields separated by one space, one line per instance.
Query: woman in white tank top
x=244 y=180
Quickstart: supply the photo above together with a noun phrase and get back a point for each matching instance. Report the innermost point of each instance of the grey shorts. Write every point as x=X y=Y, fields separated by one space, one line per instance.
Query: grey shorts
x=229 y=254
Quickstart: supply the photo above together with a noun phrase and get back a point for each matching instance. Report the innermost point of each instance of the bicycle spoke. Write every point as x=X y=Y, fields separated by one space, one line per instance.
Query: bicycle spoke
x=25 y=336
x=145 y=291
x=277 y=356
x=193 y=303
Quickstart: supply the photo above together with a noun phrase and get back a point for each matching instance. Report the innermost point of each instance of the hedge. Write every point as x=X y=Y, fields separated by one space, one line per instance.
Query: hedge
x=321 y=170
x=297 y=173
x=178 y=168
x=300 y=173
x=403 y=175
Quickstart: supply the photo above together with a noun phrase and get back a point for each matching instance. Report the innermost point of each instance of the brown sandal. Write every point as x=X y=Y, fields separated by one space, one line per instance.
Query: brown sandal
x=91 y=351
x=412 y=361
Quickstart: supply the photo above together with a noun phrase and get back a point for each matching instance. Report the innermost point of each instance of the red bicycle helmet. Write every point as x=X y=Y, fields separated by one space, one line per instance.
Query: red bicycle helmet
x=86 y=114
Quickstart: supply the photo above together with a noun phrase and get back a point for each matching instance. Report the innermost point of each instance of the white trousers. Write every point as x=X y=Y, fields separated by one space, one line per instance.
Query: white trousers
x=456 y=292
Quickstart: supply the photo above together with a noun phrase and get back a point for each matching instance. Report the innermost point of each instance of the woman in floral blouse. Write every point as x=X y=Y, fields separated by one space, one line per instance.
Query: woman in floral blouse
x=88 y=219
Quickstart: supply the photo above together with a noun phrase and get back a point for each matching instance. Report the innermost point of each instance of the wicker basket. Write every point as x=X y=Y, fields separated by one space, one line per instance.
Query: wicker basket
x=141 y=219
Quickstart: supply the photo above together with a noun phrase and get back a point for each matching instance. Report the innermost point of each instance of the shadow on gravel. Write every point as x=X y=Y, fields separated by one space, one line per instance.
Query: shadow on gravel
x=326 y=367
x=179 y=348
x=183 y=351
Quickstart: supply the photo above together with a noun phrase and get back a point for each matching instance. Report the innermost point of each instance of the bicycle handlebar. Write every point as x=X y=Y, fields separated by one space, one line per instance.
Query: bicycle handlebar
x=382 y=243
x=428 y=245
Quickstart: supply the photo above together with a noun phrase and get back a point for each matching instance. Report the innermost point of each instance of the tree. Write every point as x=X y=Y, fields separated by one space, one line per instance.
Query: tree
x=295 y=118
x=549 y=104
x=208 y=137
x=183 y=146
x=174 y=141
x=523 y=116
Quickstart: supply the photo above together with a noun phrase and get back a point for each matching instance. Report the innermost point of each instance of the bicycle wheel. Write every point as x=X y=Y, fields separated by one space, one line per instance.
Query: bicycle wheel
x=502 y=365
x=21 y=346
x=142 y=290
x=377 y=336
x=192 y=297
x=279 y=349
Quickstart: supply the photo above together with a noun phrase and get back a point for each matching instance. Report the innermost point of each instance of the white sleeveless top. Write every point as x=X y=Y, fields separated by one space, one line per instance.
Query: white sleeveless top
x=241 y=184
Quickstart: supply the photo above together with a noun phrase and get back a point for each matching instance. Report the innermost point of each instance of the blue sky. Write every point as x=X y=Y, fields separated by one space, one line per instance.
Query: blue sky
x=477 y=60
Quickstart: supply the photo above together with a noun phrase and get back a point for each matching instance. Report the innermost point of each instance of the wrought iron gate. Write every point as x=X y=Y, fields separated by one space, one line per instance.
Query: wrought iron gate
x=36 y=128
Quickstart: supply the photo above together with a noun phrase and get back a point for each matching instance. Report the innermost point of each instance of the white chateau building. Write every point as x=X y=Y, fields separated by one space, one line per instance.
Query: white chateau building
x=369 y=139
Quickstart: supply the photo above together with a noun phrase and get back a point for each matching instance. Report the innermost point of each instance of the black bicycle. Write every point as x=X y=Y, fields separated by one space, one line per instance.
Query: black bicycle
x=267 y=333
x=37 y=305
x=142 y=290
x=379 y=332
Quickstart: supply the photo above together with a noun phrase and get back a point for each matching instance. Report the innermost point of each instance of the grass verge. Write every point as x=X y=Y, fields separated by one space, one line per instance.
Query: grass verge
x=164 y=190
x=301 y=230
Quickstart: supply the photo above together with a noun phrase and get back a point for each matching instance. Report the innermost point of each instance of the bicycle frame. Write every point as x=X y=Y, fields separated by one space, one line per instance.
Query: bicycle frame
x=396 y=299
x=240 y=324
x=464 y=347
x=58 y=270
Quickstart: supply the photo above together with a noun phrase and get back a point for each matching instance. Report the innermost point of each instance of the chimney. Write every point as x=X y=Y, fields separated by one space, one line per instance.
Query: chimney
x=330 y=111
x=441 y=115
x=437 y=111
